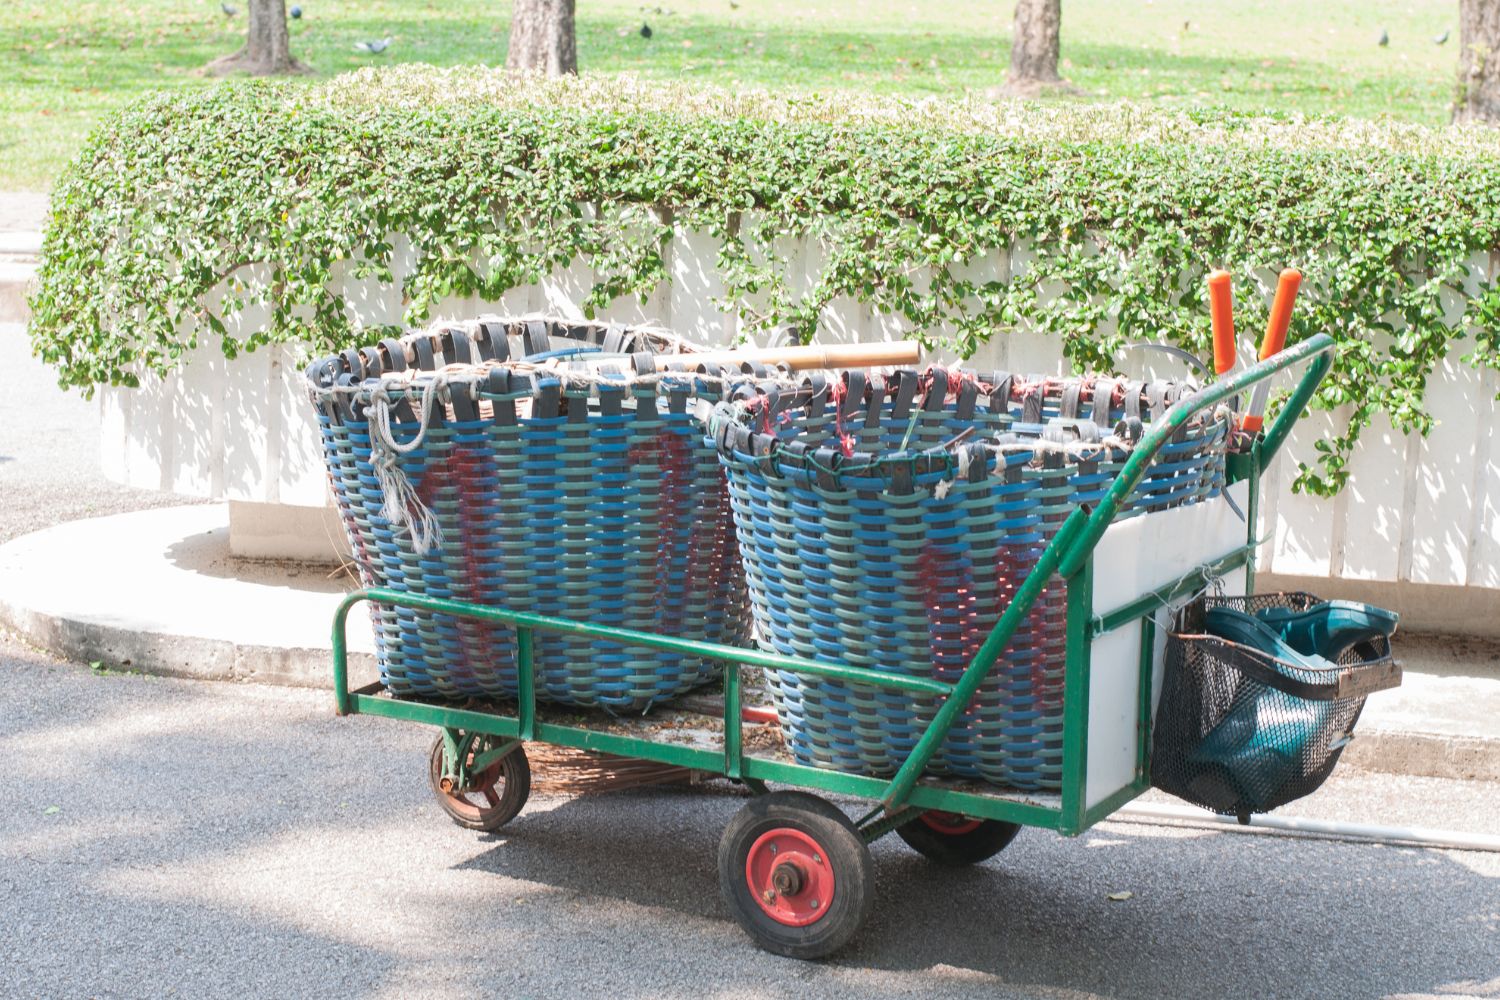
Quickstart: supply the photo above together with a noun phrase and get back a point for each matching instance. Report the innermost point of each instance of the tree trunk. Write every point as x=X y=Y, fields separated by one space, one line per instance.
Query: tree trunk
x=1034 y=47
x=268 y=48
x=1478 y=97
x=541 y=38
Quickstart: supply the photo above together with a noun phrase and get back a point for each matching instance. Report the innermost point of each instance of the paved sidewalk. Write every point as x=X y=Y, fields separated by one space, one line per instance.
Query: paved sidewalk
x=22 y=211
x=1444 y=719
x=22 y=217
x=49 y=452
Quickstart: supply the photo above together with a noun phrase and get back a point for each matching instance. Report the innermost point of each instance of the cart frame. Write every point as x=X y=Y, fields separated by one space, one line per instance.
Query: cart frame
x=1070 y=554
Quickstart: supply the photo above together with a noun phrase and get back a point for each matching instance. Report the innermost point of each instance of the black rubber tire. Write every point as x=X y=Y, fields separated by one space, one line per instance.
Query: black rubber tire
x=841 y=844
x=509 y=781
x=957 y=850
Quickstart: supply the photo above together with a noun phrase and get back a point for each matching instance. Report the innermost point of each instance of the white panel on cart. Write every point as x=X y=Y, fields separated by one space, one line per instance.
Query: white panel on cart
x=1114 y=693
x=1140 y=554
x=1135 y=557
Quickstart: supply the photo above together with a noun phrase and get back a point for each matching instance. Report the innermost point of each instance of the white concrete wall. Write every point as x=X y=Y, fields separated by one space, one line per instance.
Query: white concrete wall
x=1423 y=511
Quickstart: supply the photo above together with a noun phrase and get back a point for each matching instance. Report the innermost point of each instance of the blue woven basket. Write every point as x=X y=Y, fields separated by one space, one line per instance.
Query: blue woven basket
x=582 y=492
x=886 y=521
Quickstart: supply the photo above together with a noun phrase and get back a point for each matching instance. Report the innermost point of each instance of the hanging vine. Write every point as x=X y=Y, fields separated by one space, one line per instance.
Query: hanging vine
x=158 y=224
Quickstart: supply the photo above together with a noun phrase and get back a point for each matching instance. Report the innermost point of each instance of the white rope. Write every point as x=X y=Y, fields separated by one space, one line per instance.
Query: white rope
x=965 y=457
x=380 y=401
x=1077 y=449
x=402 y=504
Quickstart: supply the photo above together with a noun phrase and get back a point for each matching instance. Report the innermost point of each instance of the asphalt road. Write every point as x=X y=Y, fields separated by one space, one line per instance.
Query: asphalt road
x=163 y=837
x=176 y=838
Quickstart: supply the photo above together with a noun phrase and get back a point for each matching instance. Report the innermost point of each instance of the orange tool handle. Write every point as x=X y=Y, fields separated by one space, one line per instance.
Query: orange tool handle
x=1281 y=312
x=1281 y=319
x=1221 y=313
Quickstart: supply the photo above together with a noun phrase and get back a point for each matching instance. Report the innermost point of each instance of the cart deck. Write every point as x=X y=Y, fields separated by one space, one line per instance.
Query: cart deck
x=693 y=737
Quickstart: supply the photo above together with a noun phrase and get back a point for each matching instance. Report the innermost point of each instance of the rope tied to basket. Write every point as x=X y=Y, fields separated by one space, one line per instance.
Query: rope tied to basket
x=403 y=505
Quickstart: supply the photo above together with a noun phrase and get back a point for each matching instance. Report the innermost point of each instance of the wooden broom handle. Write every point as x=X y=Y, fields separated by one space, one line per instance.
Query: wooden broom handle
x=906 y=352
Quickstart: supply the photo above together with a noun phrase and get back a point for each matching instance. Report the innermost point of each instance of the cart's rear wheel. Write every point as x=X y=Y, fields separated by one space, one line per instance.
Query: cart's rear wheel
x=493 y=797
x=796 y=874
x=954 y=840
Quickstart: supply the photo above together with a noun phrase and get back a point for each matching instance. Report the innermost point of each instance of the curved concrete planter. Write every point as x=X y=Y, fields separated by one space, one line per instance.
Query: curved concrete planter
x=236 y=430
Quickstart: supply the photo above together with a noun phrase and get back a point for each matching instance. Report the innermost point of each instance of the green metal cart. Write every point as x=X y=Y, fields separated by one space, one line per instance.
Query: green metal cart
x=795 y=870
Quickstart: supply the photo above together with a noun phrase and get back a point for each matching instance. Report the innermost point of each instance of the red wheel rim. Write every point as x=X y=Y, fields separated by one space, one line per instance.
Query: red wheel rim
x=480 y=798
x=789 y=876
x=950 y=823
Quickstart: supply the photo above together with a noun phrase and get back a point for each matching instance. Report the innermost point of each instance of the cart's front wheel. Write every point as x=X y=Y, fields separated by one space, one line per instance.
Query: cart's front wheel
x=954 y=840
x=493 y=797
x=796 y=874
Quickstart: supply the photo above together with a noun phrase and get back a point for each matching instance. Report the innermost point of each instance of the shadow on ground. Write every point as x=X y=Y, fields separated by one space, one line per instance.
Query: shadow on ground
x=1211 y=915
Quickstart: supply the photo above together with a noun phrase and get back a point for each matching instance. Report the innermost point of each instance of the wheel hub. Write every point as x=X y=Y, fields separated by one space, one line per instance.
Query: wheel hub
x=789 y=876
x=787 y=879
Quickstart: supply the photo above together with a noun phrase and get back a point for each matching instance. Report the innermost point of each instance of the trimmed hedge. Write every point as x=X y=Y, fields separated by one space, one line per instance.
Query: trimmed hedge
x=1125 y=208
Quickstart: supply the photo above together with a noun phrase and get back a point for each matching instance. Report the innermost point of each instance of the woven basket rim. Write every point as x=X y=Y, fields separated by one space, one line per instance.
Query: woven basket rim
x=450 y=346
x=1051 y=441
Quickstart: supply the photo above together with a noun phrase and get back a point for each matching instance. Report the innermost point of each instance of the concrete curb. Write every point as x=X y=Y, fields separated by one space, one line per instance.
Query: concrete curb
x=169 y=655
x=20 y=251
x=168 y=599
x=1433 y=755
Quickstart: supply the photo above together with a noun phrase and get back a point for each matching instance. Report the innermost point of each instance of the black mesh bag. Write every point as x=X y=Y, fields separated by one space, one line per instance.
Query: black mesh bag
x=1239 y=731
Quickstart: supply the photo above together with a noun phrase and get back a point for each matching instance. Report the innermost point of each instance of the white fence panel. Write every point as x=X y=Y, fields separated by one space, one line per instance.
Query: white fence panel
x=1421 y=511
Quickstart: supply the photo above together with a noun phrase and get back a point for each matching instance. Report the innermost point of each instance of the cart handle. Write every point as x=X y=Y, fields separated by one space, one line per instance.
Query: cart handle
x=1318 y=349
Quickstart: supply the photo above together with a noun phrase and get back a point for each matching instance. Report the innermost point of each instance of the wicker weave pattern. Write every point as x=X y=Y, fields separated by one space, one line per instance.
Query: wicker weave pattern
x=880 y=525
x=555 y=495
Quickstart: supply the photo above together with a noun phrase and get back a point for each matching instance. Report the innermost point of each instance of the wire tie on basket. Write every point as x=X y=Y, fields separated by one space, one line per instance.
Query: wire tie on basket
x=1229 y=499
x=911 y=425
x=964 y=457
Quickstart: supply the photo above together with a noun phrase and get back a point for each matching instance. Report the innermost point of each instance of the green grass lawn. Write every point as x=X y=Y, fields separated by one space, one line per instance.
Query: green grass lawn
x=64 y=63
